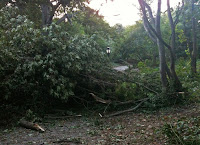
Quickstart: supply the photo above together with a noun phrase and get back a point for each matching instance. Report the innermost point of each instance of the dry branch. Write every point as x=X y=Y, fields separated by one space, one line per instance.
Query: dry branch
x=31 y=125
x=130 y=102
x=61 y=117
x=98 y=99
x=128 y=110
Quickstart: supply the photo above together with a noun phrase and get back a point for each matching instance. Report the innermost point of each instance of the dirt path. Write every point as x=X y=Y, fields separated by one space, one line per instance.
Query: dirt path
x=128 y=129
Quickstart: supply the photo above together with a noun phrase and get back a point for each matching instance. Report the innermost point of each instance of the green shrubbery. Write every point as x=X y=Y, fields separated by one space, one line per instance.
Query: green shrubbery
x=184 y=131
x=189 y=81
x=39 y=65
x=128 y=91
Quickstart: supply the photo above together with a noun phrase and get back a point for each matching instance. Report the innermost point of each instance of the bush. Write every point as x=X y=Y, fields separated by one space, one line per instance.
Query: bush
x=128 y=91
x=38 y=66
x=189 y=81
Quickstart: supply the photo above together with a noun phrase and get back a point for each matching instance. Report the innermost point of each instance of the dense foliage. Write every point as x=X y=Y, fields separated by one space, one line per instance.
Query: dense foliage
x=45 y=64
x=184 y=131
x=41 y=64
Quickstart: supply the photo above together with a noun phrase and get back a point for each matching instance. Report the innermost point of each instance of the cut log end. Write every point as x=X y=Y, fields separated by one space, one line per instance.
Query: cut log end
x=31 y=125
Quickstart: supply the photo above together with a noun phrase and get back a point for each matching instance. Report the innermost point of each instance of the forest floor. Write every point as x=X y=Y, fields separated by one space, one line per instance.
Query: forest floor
x=127 y=129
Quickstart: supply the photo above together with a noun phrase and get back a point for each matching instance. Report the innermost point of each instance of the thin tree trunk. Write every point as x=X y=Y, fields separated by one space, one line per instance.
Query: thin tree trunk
x=194 y=37
x=159 y=41
x=161 y=50
x=177 y=83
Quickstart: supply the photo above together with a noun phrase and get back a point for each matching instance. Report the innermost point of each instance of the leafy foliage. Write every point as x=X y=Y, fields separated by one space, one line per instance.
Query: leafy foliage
x=39 y=65
x=128 y=91
x=184 y=131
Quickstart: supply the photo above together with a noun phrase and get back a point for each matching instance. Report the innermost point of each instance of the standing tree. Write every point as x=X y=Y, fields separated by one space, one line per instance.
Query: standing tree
x=194 y=37
x=152 y=26
x=48 y=9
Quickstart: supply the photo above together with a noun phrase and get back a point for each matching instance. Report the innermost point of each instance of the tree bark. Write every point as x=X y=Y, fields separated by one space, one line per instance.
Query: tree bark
x=161 y=50
x=177 y=82
x=31 y=125
x=156 y=34
x=158 y=37
x=194 y=37
x=46 y=15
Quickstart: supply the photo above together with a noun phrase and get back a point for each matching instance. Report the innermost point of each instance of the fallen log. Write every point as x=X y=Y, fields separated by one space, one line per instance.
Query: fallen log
x=31 y=125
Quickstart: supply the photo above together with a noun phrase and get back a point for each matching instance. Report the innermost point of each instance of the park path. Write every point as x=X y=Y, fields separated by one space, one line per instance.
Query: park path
x=131 y=128
x=121 y=68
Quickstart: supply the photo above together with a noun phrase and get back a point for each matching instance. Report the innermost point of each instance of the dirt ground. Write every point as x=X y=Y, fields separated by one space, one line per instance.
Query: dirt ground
x=127 y=129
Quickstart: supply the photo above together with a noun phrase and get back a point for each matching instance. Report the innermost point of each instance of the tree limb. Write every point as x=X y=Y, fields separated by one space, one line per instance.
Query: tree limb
x=150 y=12
x=128 y=110
x=30 y=125
x=63 y=18
x=150 y=27
x=148 y=30
x=180 y=11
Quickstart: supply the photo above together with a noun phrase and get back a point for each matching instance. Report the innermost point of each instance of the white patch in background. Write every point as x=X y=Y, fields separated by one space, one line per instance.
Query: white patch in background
x=124 y=12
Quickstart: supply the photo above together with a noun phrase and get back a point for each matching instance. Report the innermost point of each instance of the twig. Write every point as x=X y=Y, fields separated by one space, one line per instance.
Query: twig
x=61 y=117
x=129 y=102
x=147 y=88
x=176 y=134
x=128 y=110
x=106 y=107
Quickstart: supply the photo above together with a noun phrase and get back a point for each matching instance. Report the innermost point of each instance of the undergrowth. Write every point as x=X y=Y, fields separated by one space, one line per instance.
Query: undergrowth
x=185 y=131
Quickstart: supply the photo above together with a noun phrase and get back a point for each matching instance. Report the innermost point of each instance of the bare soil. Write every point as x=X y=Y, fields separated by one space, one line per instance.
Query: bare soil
x=127 y=129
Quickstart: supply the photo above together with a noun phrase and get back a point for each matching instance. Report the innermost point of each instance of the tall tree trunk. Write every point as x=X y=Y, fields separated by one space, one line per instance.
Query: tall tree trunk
x=194 y=37
x=155 y=35
x=161 y=48
x=175 y=78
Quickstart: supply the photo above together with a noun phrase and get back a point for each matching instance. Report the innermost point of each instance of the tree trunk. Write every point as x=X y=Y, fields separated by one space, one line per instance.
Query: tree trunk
x=161 y=50
x=46 y=15
x=175 y=78
x=155 y=35
x=194 y=37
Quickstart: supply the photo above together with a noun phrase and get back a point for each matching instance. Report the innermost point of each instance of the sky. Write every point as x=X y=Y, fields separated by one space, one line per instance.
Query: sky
x=124 y=12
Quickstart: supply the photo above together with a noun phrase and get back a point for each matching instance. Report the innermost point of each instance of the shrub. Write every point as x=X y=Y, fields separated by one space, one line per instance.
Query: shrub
x=128 y=91
x=40 y=65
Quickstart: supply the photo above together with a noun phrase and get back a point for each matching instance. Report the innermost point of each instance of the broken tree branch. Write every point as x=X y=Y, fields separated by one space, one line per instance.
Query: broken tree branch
x=98 y=99
x=61 y=117
x=128 y=110
x=31 y=125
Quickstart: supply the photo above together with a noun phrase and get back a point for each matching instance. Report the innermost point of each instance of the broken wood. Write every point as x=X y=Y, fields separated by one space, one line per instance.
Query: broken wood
x=61 y=117
x=129 y=102
x=98 y=99
x=128 y=110
x=31 y=125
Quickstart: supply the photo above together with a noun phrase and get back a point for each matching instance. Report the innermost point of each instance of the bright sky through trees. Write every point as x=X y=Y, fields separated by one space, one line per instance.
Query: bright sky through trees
x=124 y=12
